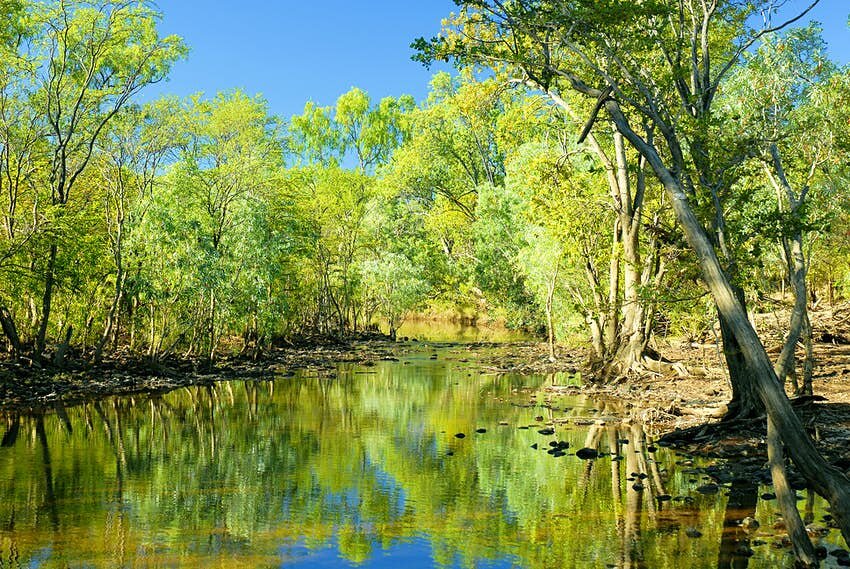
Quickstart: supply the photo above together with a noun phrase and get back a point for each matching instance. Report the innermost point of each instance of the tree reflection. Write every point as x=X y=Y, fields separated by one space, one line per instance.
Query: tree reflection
x=255 y=474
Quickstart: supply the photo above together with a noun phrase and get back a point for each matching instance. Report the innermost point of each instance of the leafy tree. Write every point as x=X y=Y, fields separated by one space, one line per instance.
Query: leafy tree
x=229 y=158
x=82 y=62
x=666 y=81
x=397 y=285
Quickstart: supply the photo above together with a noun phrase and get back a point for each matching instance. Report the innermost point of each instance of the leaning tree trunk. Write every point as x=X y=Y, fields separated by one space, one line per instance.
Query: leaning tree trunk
x=827 y=480
x=745 y=402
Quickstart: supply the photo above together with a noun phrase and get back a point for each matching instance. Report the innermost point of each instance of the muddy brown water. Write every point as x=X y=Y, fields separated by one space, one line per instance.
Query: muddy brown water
x=365 y=467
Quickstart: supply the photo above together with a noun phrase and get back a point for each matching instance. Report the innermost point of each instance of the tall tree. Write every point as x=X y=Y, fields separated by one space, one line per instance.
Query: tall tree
x=131 y=155
x=89 y=58
x=659 y=64
x=784 y=102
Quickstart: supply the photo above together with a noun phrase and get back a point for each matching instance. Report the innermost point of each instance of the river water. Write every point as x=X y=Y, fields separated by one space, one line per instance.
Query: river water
x=366 y=467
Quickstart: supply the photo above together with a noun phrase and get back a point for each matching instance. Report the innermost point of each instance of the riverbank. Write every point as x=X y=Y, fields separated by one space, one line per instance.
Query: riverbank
x=24 y=385
x=671 y=398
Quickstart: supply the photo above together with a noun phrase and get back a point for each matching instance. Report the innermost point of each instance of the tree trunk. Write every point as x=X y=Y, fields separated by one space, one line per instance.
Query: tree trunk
x=809 y=361
x=47 y=299
x=827 y=480
x=62 y=348
x=745 y=402
x=111 y=316
x=7 y=322
x=786 y=498
x=550 y=320
x=785 y=365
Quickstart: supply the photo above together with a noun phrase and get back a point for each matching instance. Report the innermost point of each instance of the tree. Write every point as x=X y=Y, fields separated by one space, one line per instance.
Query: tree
x=397 y=285
x=660 y=64
x=83 y=62
x=230 y=157
x=782 y=98
x=130 y=155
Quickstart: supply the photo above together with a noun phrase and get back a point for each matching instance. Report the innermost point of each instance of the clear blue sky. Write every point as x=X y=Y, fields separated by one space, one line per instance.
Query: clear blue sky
x=294 y=51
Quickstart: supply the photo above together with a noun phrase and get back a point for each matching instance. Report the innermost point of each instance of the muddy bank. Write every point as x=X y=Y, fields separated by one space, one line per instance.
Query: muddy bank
x=25 y=385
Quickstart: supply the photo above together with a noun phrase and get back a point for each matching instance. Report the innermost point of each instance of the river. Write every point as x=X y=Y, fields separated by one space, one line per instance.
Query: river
x=427 y=461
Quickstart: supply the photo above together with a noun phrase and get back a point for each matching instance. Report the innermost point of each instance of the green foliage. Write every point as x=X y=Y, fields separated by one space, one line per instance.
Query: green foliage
x=190 y=226
x=397 y=285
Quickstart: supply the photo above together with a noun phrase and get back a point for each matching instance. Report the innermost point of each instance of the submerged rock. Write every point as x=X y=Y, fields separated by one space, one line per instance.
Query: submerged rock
x=840 y=553
x=750 y=524
x=587 y=453
x=460 y=436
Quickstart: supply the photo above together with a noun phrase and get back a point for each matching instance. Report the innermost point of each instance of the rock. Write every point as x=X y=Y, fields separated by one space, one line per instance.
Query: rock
x=546 y=431
x=750 y=523
x=820 y=552
x=840 y=553
x=651 y=448
x=693 y=532
x=637 y=487
x=586 y=453
x=664 y=497
x=707 y=489
x=534 y=446
x=460 y=436
x=450 y=453
x=744 y=551
x=768 y=496
x=480 y=431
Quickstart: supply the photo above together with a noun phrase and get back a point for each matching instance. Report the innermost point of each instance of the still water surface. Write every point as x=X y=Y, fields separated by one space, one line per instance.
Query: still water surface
x=363 y=468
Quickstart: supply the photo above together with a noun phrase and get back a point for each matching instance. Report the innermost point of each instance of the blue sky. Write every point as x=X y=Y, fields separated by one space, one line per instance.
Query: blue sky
x=292 y=51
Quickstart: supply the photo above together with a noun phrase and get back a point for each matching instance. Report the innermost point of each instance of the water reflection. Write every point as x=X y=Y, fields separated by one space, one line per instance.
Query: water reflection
x=360 y=468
